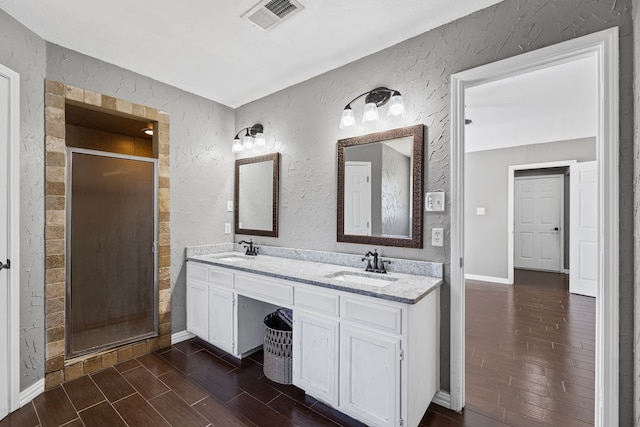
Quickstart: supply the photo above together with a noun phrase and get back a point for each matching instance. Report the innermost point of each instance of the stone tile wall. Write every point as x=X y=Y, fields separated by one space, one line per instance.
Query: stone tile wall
x=58 y=369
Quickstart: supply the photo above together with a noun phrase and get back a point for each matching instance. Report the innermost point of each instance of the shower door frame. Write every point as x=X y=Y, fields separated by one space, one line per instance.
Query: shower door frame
x=68 y=316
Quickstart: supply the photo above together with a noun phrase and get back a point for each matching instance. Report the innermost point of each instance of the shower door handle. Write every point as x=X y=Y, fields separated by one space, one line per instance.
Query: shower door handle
x=7 y=265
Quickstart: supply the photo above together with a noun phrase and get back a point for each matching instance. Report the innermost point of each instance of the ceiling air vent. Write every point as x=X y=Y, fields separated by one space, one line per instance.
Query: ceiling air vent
x=269 y=13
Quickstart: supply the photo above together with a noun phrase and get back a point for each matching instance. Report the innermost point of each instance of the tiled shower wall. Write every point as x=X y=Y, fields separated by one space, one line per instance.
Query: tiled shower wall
x=57 y=368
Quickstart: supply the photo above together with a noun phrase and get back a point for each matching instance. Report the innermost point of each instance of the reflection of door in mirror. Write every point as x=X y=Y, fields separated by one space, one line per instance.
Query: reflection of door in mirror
x=357 y=202
x=388 y=206
x=255 y=199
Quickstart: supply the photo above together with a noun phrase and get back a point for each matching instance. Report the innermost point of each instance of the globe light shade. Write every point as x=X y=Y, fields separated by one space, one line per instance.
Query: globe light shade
x=247 y=142
x=260 y=140
x=348 y=119
x=370 y=113
x=396 y=106
x=237 y=146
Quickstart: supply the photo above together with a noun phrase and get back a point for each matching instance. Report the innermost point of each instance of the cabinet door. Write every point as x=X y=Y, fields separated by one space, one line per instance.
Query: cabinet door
x=197 y=310
x=370 y=378
x=221 y=319
x=315 y=356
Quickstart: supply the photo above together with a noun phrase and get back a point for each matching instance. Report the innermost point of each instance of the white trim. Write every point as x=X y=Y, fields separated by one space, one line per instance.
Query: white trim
x=31 y=392
x=500 y=280
x=565 y=271
x=14 y=236
x=181 y=336
x=604 y=45
x=511 y=210
x=442 y=398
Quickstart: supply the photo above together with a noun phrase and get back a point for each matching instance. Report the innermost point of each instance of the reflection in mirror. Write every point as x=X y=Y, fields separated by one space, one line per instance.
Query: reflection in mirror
x=256 y=195
x=380 y=188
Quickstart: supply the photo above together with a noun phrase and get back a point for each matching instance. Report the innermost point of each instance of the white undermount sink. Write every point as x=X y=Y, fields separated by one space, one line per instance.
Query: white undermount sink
x=229 y=258
x=361 y=279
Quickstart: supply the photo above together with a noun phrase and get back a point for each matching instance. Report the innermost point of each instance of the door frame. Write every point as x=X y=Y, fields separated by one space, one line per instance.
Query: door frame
x=511 y=212
x=604 y=46
x=13 y=159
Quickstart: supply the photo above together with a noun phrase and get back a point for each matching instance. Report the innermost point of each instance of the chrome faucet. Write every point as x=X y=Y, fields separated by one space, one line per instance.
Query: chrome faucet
x=378 y=265
x=251 y=250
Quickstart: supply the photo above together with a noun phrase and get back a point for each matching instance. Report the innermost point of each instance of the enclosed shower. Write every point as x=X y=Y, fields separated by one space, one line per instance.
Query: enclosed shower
x=112 y=295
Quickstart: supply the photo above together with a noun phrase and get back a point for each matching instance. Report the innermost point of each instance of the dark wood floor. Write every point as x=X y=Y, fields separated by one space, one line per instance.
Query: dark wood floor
x=530 y=351
x=530 y=361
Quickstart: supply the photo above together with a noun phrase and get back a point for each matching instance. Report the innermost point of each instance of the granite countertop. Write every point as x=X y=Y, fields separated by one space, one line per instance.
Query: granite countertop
x=404 y=288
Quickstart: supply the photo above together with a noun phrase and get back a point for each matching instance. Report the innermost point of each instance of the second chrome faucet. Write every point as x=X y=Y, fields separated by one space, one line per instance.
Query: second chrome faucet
x=378 y=265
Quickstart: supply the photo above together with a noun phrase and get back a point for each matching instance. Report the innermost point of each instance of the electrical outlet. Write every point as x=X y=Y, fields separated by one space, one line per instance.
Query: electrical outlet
x=437 y=237
x=227 y=228
x=229 y=206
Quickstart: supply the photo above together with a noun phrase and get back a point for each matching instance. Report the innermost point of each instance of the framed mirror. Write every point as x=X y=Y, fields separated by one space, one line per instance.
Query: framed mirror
x=256 y=195
x=380 y=188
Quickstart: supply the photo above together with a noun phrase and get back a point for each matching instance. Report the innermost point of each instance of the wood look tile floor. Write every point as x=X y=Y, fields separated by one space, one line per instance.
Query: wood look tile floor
x=530 y=361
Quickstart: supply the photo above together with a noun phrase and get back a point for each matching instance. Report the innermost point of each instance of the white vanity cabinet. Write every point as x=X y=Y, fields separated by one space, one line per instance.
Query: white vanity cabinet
x=211 y=302
x=371 y=358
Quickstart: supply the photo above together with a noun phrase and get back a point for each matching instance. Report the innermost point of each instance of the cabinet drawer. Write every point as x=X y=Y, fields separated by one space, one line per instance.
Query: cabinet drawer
x=379 y=316
x=318 y=301
x=221 y=277
x=197 y=271
x=265 y=289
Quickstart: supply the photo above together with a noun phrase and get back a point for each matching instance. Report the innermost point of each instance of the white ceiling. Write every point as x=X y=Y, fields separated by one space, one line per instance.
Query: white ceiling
x=552 y=104
x=204 y=47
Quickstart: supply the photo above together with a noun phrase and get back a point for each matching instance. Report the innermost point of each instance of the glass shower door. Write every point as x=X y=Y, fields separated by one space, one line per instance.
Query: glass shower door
x=112 y=296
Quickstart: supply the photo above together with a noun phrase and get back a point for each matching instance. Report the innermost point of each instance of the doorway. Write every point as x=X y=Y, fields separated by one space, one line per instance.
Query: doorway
x=602 y=46
x=9 y=241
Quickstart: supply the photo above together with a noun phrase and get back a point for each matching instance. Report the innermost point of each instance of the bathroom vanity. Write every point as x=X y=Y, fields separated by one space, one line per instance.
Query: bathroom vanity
x=366 y=344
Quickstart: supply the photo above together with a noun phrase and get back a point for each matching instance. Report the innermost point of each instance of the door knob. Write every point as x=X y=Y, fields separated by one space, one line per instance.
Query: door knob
x=556 y=229
x=7 y=265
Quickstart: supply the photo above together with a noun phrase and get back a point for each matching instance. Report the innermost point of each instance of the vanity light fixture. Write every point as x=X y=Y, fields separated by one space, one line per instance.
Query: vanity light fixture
x=374 y=99
x=253 y=136
x=148 y=130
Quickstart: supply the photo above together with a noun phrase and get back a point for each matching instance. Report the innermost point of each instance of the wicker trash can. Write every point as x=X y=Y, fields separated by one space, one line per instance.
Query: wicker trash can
x=277 y=349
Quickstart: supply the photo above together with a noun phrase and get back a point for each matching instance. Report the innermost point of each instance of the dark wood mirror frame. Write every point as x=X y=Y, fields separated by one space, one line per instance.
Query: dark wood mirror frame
x=415 y=241
x=275 y=157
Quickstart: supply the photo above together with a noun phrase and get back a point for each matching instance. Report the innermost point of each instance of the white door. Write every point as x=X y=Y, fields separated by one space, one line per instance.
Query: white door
x=4 y=245
x=315 y=356
x=583 y=217
x=370 y=376
x=197 y=308
x=357 y=198
x=538 y=222
x=221 y=319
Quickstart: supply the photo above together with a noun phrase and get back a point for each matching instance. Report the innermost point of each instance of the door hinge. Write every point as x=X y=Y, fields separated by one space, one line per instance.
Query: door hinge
x=367 y=179
x=400 y=422
x=401 y=354
x=7 y=265
x=367 y=224
x=461 y=262
x=154 y=247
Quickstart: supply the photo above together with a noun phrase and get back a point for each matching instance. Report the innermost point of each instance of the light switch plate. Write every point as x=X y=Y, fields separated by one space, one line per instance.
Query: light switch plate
x=227 y=228
x=434 y=202
x=229 y=206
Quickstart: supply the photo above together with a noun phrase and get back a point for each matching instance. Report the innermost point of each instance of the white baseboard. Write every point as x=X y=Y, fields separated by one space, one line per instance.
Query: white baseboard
x=442 y=398
x=565 y=271
x=31 y=392
x=181 y=336
x=500 y=280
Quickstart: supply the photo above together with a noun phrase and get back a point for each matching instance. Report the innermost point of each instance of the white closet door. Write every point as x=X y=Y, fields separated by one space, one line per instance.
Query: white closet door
x=583 y=259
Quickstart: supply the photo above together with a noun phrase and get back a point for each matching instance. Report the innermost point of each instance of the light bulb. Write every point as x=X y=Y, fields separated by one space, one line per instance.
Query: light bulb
x=348 y=119
x=237 y=146
x=247 y=142
x=370 y=113
x=396 y=106
x=260 y=139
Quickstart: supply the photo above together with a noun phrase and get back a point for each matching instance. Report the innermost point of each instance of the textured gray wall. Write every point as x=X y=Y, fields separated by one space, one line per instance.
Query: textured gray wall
x=201 y=159
x=24 y=52
x=636 y=73
x=304 y=119
x=486 y=185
